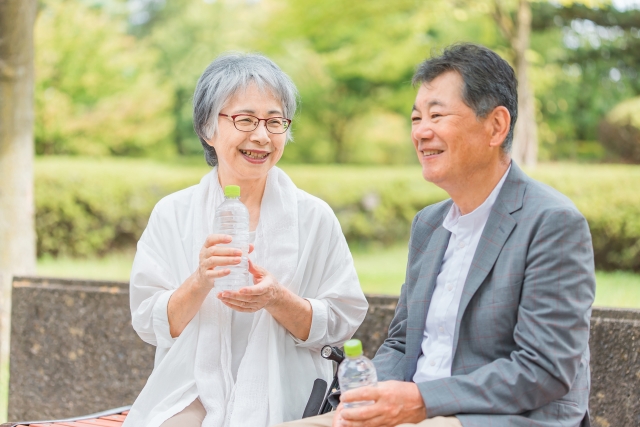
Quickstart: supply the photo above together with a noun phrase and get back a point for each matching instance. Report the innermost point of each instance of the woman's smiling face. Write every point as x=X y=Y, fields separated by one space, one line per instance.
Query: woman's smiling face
x=248 y=155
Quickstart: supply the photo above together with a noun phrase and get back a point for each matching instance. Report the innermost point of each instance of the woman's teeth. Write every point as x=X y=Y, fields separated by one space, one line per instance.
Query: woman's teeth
x=254 y=155
x=431 y=152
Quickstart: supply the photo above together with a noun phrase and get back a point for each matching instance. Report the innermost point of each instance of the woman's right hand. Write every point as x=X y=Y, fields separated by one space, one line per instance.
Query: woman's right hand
x=212 y=256
x=187 y=299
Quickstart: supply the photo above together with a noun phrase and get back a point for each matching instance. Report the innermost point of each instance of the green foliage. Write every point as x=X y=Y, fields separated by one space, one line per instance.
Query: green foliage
x=585 y=62
x=607 y=196
x=88 y=207
x=621 y=141
x=97 y=92
x=626 y=113
x=187 y=35
x=375 y=205
x=112 y=82
x=620 y=131
x=353 y=79
x=353 y=63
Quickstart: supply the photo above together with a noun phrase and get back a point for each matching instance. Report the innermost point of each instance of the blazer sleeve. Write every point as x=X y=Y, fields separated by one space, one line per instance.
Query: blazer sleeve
x=551 y=333
x=390 y=359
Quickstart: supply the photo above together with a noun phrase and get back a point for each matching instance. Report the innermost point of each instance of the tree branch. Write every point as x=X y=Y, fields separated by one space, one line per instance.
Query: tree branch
x=505 y=23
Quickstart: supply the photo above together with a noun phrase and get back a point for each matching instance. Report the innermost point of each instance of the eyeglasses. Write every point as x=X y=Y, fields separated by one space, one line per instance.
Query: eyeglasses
x=248 y=123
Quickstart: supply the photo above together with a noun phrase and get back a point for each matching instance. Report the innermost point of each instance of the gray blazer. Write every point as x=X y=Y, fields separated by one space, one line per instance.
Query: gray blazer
x=521 y=354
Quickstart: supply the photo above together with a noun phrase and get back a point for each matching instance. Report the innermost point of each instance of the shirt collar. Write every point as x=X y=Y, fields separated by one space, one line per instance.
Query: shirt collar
x=481 y=213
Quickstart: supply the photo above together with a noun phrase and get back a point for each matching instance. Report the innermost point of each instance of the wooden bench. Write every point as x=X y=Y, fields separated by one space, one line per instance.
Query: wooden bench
x=110 y=418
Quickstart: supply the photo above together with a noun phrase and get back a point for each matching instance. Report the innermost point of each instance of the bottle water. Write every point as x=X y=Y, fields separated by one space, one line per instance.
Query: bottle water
x=232 y=218
x=355 y=371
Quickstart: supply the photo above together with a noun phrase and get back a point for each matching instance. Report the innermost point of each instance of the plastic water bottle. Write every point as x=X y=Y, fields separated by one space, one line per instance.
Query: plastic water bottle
x=355 y=371
x=232 y=218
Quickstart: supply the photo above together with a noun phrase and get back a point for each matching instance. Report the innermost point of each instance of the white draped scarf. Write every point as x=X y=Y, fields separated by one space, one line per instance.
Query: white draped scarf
x=198 y=362
x=247 y=402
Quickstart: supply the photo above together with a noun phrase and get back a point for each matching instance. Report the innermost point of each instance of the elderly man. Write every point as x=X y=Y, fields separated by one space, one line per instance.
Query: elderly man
x=492 y=325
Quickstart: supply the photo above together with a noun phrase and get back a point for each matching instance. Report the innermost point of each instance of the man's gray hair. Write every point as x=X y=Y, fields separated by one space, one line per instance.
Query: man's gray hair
x=227 y=75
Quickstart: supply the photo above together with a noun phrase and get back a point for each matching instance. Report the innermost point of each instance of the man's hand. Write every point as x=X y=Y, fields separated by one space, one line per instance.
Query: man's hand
x=396 y=402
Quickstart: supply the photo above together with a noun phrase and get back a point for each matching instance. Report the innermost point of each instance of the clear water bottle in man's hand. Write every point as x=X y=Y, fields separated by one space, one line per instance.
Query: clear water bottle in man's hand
x=232 y=218
x=355 y=371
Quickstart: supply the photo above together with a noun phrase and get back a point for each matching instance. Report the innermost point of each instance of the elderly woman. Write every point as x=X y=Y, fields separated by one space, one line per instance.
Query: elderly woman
x=247 y=357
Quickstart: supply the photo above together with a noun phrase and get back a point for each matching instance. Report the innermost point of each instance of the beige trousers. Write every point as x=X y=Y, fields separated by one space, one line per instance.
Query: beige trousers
x=326 y=420
x=191 y=416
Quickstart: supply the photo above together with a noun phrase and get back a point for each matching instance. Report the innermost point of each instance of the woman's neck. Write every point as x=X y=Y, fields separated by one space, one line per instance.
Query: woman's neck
x=251 y=192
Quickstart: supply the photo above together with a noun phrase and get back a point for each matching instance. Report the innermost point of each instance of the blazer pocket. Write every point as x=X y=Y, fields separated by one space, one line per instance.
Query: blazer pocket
x=391 y=367
x=502 y=295
x=567 y=402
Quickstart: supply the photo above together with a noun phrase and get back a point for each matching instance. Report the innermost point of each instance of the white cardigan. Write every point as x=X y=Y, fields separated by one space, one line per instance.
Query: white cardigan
x=299 y=240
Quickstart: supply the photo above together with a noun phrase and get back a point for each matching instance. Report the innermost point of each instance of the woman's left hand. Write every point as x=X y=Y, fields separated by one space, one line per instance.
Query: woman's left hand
x=265 y=292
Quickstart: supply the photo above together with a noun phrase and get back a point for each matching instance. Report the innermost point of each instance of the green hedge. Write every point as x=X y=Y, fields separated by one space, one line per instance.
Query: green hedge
x=609 y=197
x=90 y=207
x=87 y=207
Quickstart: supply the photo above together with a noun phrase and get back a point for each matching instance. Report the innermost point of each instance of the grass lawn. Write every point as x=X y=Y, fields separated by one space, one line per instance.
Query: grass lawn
x=381 y=271
x=116 y=266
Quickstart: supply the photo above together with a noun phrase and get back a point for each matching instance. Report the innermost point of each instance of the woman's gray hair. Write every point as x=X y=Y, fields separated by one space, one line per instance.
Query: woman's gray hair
x=224 y=77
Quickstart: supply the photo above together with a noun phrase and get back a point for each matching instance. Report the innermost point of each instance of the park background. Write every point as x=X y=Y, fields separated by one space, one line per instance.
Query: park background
x=113 y=131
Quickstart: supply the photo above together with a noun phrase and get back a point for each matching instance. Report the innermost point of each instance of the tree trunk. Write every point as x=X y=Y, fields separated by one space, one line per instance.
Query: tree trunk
x=337 y=135
x=525 y=141
x=17 y=231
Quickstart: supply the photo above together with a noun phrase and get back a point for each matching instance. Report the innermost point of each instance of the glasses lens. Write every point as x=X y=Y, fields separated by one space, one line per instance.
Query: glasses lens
x=277 y=125
x=246 y=123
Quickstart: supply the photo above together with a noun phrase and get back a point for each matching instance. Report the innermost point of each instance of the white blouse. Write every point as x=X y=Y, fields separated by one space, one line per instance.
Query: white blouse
x=240 y=329
x=262 y=375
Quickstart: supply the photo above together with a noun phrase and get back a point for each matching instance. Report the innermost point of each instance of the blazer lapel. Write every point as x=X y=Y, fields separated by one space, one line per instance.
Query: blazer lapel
x=499 y=226
x=431 y=260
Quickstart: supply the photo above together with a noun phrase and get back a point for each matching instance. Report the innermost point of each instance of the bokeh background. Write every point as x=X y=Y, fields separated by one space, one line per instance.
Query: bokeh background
x=114 y=81
x=113 y=129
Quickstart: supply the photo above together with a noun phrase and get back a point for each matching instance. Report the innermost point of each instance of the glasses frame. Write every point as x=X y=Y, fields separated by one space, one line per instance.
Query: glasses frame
x=233 y=120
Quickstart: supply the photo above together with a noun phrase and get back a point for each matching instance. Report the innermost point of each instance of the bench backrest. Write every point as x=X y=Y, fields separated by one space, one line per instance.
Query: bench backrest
x=74 y=352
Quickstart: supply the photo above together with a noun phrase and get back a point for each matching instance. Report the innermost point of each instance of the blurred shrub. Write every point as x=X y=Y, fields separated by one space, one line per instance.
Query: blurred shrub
x=620 y=130
x=97 y=90
x=89 y=207
x=375 y=205
x=607 y=195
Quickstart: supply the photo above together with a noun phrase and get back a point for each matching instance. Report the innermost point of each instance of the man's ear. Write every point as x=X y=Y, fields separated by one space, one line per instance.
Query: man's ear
x=499 y=121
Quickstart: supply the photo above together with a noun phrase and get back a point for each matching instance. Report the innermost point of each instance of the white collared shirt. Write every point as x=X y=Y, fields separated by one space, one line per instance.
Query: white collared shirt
x=437 y=342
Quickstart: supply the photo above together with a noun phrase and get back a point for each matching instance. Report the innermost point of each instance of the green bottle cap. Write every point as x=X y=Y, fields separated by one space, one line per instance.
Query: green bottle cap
x=232 y=191
x=353 y=348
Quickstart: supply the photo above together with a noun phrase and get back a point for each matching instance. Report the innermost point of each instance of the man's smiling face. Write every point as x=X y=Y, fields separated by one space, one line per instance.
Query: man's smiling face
x=450 y=141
